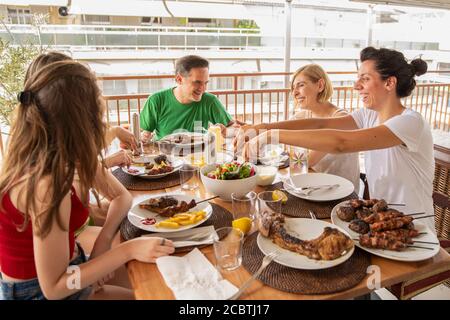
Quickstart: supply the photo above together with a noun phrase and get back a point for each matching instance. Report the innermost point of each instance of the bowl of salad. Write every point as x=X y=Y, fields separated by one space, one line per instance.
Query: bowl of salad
x=224 y=179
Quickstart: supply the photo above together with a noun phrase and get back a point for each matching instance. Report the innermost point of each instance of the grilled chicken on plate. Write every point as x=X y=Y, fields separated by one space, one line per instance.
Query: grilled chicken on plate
x=330 y=245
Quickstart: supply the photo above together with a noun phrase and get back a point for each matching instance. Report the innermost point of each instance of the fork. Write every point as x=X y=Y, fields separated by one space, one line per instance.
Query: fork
x=308 y=190
x=313 y=216
x=265 y=262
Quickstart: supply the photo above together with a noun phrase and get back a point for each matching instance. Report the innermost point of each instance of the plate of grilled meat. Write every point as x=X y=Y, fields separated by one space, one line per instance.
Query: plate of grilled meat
x=303 y=243
x=385 y=231
x=153 y=166
x=157 y=214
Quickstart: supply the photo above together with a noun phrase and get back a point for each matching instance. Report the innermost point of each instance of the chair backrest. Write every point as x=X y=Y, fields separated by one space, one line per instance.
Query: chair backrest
x=441 y=192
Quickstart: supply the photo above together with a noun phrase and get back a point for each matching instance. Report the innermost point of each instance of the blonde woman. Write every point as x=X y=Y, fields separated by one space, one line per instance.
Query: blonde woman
x=312 y=89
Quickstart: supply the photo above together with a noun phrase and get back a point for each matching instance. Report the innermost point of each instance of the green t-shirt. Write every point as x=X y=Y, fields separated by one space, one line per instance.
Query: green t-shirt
x=164 y=114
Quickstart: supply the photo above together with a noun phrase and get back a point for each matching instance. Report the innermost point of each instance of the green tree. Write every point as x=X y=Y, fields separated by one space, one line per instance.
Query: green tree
x=14 y=62
x=13 y=65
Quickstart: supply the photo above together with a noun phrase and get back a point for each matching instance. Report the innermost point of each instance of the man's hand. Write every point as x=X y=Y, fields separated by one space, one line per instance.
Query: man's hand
x=254 y=147
x=146 y=136
x=243 y=135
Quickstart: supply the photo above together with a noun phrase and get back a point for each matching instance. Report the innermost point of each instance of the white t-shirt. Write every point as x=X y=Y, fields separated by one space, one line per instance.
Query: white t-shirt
x=404 y=173
x=345 y=165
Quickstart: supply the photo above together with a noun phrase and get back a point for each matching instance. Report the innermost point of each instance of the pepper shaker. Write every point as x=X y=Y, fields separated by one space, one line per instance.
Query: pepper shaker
x=135 y=126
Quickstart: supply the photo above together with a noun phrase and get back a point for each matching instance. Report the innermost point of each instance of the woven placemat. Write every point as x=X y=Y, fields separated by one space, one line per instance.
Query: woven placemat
x=324 y=281
x=219 y=218
x=140 y=184
x=296 y=207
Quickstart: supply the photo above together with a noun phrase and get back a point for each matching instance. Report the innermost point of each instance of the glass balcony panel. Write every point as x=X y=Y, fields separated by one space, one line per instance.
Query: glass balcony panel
x=147 y=40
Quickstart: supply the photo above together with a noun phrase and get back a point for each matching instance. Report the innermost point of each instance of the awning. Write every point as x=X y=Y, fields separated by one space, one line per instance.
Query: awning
x=34 y=2
x=115 y=68
x=140 y=8
x=441 y=4
x=119 y=8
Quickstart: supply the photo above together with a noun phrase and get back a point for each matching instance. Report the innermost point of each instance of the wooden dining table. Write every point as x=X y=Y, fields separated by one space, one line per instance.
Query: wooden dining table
x=148 y=283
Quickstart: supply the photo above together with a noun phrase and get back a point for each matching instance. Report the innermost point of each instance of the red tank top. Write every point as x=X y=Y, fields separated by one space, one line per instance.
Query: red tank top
x=16 y=248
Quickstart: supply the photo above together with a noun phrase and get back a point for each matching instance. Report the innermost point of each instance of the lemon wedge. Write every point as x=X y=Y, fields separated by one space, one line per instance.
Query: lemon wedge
x=277 y=195
x=243 y=224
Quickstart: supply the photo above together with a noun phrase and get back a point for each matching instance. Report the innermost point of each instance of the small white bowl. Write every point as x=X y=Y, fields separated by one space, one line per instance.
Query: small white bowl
x=224 y=188
x=266 y=175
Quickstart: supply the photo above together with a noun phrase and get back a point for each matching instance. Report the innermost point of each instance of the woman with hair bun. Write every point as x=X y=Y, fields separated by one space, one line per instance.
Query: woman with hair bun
x=399 y=157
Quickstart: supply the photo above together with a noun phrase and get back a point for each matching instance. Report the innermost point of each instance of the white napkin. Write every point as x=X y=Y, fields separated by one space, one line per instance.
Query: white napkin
x=193 y=277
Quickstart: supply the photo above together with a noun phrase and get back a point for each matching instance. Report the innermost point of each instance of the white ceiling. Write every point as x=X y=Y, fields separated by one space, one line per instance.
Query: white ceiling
x=441 y=4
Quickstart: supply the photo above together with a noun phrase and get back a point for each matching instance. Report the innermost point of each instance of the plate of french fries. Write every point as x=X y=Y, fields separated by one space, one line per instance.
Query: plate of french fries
x=148 y=220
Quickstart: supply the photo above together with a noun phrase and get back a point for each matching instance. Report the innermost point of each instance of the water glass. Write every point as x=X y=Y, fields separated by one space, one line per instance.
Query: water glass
x=228 y=248
x=243 y=206
x=268 y=202
x=189 y=177
x=298 y=160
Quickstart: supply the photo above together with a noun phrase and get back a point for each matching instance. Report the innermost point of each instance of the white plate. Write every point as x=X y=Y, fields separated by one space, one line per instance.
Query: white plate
x=136 y=214
x=200 y=136
x=315 y=179
x=176 y=163
x=305 y=229
x=409 y=254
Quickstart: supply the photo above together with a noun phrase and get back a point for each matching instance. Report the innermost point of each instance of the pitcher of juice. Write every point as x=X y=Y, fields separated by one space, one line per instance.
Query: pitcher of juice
x=219 y=141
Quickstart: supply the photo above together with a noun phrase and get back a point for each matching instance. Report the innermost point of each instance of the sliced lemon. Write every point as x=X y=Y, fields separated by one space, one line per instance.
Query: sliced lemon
x=278 y=194
x=243 y=224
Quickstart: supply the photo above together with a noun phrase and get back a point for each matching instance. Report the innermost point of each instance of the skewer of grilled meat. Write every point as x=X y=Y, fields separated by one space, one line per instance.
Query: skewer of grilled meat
x=396 y=233
x=381 y=243
x=381 y=205
x=330 y=245
x=374 y=204
x=383 y=216
x=358 y=203
x=166 y=207
x=398 y=237
x=394 y=223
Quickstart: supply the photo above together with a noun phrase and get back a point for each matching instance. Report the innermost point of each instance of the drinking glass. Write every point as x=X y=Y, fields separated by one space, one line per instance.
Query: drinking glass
x=189 y=177
x=228 y=248
x=268 y=202
x=298 y=160
x=243 y=206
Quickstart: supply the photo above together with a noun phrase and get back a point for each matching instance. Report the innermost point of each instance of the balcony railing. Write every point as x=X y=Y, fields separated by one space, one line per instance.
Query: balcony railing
x=268 y=105
x=132 y=37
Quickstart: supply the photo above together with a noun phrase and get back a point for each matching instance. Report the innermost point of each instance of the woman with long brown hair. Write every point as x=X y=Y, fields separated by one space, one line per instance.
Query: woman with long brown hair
x=52 y=160
x=97 y=213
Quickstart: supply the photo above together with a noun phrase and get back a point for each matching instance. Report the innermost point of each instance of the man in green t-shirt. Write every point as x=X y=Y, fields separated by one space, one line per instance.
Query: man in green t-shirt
x=186 y=106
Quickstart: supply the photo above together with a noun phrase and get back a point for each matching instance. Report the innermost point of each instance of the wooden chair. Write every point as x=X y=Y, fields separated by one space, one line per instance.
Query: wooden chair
x=441 y=201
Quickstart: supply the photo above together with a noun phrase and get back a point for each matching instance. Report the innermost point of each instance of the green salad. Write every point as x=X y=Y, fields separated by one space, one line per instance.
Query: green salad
x=232 y=171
